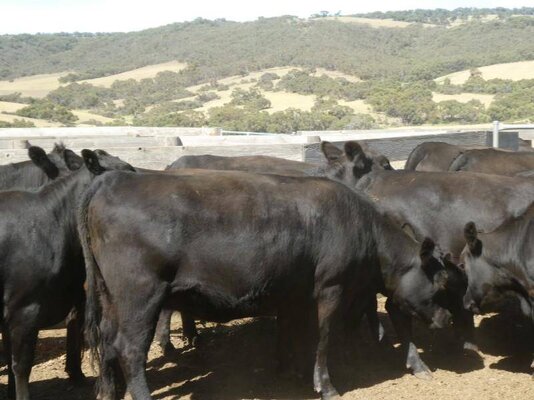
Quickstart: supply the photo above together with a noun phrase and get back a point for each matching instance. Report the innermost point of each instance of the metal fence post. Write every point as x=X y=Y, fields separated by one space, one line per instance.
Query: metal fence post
x=496 y=134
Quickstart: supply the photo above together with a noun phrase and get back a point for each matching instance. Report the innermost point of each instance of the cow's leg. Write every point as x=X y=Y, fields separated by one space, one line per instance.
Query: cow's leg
x=403 y=326
x=7 y=353
x=328 y=300
x=23 y=337
x=464 y=329
x=110 y=383
x=75 y=342
x=377 y=330
x=137 y=316
x=190 y=330
x=163 y=332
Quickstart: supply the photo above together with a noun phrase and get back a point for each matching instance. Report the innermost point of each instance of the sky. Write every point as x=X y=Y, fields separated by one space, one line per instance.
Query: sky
x=32 y=16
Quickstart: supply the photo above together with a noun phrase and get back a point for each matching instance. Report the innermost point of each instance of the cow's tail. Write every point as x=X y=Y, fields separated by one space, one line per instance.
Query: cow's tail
x=415 y=157
x=459 y=162
x=94 y=284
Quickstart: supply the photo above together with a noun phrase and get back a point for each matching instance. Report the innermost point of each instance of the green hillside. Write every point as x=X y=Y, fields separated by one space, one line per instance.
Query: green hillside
x=347 y=72
x=222 y=48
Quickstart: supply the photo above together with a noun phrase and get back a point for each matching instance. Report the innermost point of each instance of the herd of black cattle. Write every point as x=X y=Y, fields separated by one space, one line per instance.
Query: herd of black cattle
x=114 y=250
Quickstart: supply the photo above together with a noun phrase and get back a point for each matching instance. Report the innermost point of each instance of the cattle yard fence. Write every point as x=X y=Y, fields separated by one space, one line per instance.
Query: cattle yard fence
x=156 y=148
x=499 y=127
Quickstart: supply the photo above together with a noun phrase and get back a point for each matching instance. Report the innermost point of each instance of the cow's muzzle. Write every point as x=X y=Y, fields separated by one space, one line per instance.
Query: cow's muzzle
x=440 y=319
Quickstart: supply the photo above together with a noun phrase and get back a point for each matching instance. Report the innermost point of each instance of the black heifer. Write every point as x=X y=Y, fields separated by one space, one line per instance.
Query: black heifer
x=432 y=156
x=501 y=262
x=230 y=245
x=26 y=174
x=437 y=204
x=439 y=156
x=493 y=161
x=41 y=267
x=346 y=166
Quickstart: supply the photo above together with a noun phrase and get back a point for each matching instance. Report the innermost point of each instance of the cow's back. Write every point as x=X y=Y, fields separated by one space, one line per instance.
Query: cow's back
x=432 y=156
x=254 y=164
x=492 y=161
x=438 y=204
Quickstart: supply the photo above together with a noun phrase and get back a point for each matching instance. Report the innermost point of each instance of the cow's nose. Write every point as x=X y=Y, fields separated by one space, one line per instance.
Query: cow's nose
x=441 y=318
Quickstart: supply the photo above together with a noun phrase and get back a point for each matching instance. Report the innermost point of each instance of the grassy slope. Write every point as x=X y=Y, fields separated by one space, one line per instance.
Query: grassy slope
x=514 y=71
x=148 y=71
x=35 y=86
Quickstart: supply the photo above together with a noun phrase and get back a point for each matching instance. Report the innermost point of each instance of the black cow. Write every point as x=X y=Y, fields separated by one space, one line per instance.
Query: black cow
x=41 y=267
x=501 y=262
x=493 y=161
x=437 y=204
x=26 y=174
x=432 y=156
x=226 y=246
x=346 y=166
x=438 y=156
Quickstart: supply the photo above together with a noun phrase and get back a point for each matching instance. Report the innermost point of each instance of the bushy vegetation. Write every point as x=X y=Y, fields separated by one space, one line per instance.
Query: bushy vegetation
x=45 y=109
x=17 y=123
x=223 y=48
x=441 y=16
x=515 y=106
x=397 y=66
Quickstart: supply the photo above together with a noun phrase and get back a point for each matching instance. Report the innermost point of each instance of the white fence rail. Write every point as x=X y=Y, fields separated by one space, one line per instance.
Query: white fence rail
x=150 y=147
x=499 y=127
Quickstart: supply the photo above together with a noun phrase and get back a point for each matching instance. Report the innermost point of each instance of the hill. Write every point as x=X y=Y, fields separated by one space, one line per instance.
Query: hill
x=222 y=48
x=279 y=74
x=512 y=71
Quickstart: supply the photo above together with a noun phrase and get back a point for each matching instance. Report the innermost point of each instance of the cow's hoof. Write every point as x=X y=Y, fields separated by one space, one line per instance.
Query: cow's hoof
x=468 y=346
x=425 y=375
x=167 y=350
x=77 y=378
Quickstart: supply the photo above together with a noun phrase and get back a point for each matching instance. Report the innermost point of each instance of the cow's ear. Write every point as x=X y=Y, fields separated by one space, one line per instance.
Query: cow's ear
x=39 y=158
x=73 y=161
x=353 y=150
x=331 y=152
x=427 y=250
x=91 y=162
x=471 y=237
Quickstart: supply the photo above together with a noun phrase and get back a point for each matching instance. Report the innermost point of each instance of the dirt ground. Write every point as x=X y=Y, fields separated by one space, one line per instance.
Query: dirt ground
x=236 y=361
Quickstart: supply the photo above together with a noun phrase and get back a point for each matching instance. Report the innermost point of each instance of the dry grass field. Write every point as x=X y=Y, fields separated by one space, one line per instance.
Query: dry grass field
x=374 y=22
x=149 y=71
x=9 y=107
x=85 y=116
x=514 y=71
x=485 y=99
x=236 y=361
x=35 y=85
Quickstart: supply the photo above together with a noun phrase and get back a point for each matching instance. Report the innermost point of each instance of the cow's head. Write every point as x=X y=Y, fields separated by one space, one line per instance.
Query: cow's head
x=351 y=163
x=484 y=278
x=421 y=289
x=65 y=159
x=99 y=161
